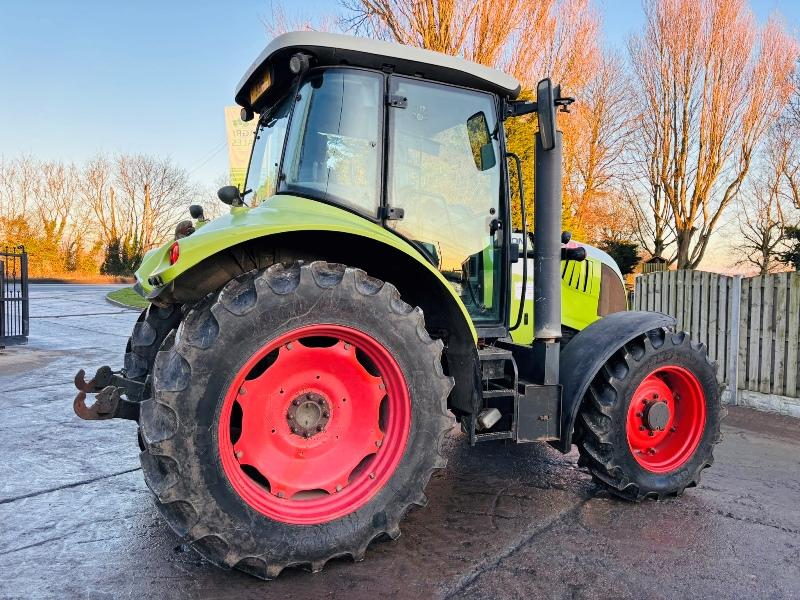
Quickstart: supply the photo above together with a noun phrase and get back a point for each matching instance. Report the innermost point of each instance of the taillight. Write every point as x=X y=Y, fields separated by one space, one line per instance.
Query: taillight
x=174 y=253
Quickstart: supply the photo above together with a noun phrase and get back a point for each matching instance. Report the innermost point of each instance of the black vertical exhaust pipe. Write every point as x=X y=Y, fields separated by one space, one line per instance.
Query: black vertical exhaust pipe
x=547 y=234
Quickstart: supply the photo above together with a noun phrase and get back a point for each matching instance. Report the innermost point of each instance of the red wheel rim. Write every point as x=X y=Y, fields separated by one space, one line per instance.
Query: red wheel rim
x=666 y=419
x=346 y=399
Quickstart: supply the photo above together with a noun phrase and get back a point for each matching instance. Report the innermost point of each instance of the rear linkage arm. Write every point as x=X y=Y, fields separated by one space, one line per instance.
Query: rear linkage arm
x=109 y=403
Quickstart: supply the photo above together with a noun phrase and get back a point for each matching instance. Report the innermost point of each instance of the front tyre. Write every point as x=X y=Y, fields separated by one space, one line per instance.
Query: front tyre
x=296 y=417
x=650 y=420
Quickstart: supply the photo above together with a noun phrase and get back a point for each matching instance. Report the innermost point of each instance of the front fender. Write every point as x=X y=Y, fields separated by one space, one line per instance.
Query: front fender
x=279 y=214
x=589 y=350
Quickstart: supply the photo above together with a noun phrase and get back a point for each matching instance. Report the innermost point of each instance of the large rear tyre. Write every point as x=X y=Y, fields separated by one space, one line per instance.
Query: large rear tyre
x=149 y=332
x=152 y=327
x=650 y=420
x=296 y=417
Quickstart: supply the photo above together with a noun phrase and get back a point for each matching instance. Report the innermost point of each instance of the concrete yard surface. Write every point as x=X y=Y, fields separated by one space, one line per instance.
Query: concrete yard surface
x=503 y=521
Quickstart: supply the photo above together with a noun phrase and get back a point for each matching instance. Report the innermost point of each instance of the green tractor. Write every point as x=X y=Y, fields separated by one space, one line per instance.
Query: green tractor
x=304 y=355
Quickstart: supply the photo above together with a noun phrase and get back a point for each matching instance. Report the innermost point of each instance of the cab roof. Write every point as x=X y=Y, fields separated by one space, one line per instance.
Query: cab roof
x=328 y=49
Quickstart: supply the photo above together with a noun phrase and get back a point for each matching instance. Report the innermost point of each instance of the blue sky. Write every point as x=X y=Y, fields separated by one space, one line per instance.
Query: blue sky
x=85 y=76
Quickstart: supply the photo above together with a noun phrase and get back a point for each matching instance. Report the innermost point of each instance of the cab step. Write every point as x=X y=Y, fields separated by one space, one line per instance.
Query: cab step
x=514 y=408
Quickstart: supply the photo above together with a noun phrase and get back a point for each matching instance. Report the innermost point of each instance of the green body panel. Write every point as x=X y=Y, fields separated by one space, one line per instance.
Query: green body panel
x=279 y=214
x=580 y=281
x=580 y=294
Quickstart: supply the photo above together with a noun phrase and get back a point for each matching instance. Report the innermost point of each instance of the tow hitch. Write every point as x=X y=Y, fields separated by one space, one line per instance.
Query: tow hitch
x=110 y=386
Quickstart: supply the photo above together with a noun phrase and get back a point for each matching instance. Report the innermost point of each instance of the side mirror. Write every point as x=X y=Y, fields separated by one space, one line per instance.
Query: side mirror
x=480 y=142
x=546 y=110
x=196 y=211
x=229 y=194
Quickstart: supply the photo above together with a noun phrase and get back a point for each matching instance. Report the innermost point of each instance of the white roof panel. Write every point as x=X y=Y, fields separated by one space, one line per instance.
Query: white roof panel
x=336 y=48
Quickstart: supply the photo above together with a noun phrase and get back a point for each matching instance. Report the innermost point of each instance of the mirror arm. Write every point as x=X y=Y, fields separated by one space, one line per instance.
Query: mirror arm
x=519 y=108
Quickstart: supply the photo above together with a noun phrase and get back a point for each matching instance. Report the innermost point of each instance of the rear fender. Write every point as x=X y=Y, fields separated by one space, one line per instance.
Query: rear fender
x=281 y=214
x=589 y=350
x=288 y=228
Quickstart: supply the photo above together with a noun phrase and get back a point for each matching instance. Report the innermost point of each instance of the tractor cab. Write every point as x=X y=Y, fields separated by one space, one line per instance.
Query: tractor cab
x=402 y=140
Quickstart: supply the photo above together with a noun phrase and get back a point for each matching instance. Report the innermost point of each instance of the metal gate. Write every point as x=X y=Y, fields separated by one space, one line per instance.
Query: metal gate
x=14 y=298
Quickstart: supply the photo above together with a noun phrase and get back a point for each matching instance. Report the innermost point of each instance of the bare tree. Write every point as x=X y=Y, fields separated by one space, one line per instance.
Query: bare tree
x=55 y=201
x=152 y=195
x=794 y=104
x=653 y=228
x=765 y=208
x=97 y=192
x=440 y=25
x=599 y=131
x=530 y=39
x=18 y=181
x=558 y=39
x=711 y=84
x=791 y=132
x=280 y=20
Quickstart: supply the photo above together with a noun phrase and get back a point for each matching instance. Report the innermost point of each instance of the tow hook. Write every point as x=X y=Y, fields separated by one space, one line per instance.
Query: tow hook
x=109 y=402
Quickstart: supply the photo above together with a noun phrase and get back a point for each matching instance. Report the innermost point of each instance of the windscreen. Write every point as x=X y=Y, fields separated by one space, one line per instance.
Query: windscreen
x=333 y=150
x=262 y=176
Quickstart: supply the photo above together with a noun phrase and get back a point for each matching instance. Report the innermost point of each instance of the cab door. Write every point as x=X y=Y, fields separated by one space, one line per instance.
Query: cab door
x=444 y=172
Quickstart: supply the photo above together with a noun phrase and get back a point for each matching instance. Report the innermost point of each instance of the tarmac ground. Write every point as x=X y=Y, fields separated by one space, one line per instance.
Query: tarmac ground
x=503 y=521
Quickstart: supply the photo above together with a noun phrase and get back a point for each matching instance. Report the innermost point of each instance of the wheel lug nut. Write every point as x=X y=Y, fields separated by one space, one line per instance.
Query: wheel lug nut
x=641 y=427
x=321 y=402
x=639 y=414
x=319 y=427
x=673 y=429
x=296 y=402
x=325 y=414
x=294 y=429
x=289 y=416
x=650 y=433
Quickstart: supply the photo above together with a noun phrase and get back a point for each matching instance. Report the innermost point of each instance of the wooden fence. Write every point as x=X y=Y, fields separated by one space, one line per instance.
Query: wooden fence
x=751 y=326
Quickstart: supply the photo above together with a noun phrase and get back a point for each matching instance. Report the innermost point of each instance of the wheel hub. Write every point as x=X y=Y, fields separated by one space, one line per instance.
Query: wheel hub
x=314 y=424
x=308 y=414
x=666 y=418
x=657 y=416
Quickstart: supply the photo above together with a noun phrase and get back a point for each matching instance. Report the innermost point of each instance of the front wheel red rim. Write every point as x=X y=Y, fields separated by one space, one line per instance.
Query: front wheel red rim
x=666 y=419
x=314 y=424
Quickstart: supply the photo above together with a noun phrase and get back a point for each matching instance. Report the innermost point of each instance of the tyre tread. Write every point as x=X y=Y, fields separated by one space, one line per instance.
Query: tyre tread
x=595 y=423
x=181 y=506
